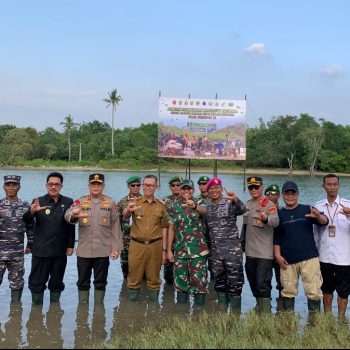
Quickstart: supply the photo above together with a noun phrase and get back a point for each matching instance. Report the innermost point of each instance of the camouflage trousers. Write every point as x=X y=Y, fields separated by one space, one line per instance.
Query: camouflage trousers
x=228 y=274
x=124 y=255
x=190 y=274
x=15 y=272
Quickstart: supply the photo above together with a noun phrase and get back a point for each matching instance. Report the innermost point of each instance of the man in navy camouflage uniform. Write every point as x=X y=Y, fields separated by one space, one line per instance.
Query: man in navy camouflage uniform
x=186 y=231
x=174 y=185
x=12 y=229
x=134 y=185
x=226 y=255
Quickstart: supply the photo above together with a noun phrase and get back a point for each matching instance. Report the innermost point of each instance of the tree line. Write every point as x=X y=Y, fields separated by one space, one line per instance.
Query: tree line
x=290 y=142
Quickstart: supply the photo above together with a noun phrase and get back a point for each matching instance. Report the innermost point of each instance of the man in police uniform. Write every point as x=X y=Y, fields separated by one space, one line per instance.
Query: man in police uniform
x=202 y=182
x=100 y=237
x=12 y=229
x=53 y=240
x=174 y=185
x=260 y=220
x=134 y=185
x=148 y=246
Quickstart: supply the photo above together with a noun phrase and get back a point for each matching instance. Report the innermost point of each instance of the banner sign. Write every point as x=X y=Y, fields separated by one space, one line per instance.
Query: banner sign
x=202 y=129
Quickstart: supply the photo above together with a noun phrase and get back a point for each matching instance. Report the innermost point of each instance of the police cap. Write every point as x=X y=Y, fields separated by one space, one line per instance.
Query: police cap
x=97 y=178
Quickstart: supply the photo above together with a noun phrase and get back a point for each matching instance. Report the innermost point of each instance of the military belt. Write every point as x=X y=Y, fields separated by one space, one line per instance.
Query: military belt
x=146 y=242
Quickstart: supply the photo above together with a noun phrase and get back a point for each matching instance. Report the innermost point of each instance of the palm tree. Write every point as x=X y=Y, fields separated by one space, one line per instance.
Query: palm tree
x=68 y=125
x=113 y=99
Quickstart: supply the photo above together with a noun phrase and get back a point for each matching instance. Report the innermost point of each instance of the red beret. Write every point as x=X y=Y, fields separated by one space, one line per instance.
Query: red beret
x=214 y=181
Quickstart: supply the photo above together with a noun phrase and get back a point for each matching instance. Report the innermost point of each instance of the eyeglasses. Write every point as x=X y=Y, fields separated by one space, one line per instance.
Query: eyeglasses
x=51 y=184
x=96 y=184
x=175 y=185
x=272 y=193
x=135 y=185
x=149 y=185
x=202 y=183
x=253 y=187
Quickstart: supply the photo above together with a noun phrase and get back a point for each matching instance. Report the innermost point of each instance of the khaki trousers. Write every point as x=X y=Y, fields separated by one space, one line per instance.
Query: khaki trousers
x=145 y=259
x=310 y=273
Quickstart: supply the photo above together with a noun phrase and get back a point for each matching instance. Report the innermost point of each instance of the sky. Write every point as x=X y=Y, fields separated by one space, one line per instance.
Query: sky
x=64 y=57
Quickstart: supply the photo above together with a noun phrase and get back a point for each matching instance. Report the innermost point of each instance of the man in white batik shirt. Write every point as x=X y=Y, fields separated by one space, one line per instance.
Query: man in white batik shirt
x=333 y=243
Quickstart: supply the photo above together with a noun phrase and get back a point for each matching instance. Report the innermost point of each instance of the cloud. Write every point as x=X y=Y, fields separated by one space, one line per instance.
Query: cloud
x=256 y=48
x=334 y=70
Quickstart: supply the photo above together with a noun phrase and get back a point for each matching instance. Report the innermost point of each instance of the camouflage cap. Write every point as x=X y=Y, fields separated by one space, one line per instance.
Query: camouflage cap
x=97 y=178
x=272 y=188
x=133 y=179
x=12 y=179
x=175 y=179
x=187 y=183
x=203 y=179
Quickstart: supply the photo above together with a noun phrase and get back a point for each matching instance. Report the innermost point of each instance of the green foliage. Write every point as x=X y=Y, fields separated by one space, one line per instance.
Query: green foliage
x=289 y=142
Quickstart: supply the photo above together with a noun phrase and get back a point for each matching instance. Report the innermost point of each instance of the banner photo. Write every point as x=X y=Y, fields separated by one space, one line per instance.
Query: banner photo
x=202 y=128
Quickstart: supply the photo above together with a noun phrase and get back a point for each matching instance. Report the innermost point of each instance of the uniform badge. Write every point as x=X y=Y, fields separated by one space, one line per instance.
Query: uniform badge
x=85 y=221
x=47 y=211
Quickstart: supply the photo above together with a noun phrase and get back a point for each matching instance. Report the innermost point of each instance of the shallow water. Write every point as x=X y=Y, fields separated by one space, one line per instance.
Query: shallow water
x=68 y=325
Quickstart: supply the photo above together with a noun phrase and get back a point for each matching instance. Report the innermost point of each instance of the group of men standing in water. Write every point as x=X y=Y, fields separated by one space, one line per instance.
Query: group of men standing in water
x=189 y=235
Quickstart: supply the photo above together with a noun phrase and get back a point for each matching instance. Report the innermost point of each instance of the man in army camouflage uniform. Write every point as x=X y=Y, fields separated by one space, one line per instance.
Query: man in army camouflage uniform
x=225 y=251
x=134 y=185
x=202 y=182
x=100 y=237
x=174 y=185
x=186 y=231
x=12 y=229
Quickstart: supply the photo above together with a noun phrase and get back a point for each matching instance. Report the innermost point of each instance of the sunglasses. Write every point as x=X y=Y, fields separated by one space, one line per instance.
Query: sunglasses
x=175 y=185
x=202 y=183
x=253 y=187
x=135 y=185
x=272 y=193
x=186 y=188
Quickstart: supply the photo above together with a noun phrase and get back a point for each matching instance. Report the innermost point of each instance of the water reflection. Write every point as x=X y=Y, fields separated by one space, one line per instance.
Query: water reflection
x=11 y=338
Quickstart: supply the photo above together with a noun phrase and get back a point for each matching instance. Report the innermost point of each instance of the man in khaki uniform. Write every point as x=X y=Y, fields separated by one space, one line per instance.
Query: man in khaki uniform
x=100 y=237
x=147 y=250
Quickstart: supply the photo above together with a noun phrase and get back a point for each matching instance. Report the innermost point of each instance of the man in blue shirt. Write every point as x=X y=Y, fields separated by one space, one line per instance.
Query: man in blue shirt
x=295 y=249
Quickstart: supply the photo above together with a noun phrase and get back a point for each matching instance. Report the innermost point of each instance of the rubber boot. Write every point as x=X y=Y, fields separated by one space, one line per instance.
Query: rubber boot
x=55 y=297
x=223 y=298
x=263 y=305
x=133 y=294
x=84 y=296
x=16 y=295
x=199 y=298
x=38 y=298
x=288 y=304
x=314 y=306
x=153 y=295
x=236 y=304
x=182 y=297
x=99 y=296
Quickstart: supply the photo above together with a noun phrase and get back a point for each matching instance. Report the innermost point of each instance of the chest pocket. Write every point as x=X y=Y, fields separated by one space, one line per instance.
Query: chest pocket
x=105 y=220
x=85 y=221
